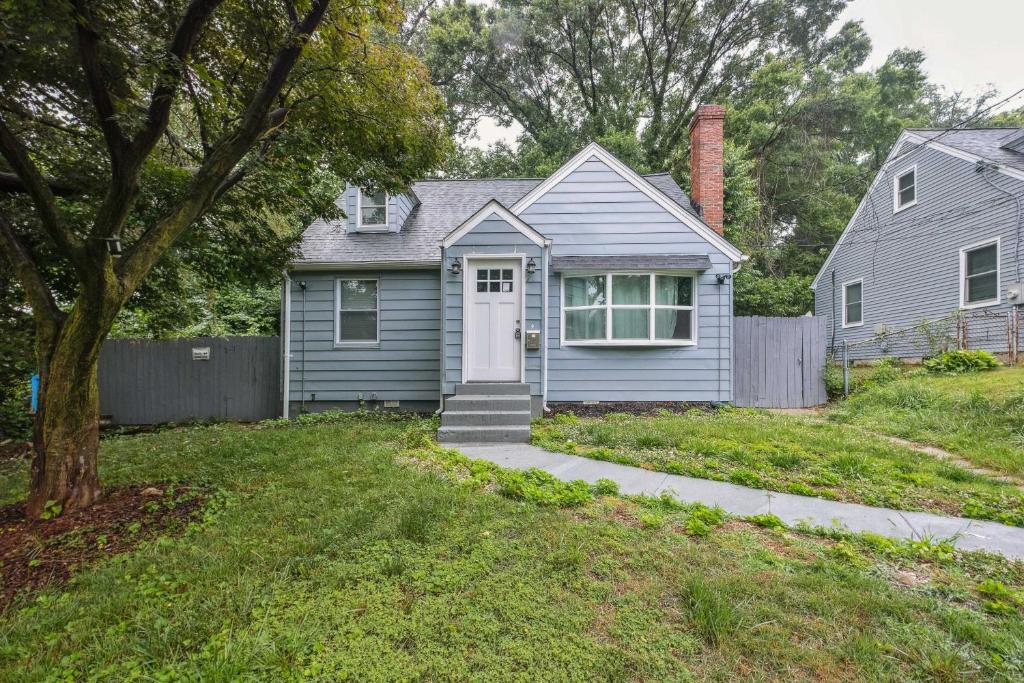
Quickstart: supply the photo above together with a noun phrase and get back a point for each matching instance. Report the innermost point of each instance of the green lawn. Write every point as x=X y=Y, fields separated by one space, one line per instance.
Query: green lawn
x=795 y=454
x=979 y=416
x=338 y=551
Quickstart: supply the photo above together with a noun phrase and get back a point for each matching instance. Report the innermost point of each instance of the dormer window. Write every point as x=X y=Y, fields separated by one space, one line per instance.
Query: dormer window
x=905 y=189
x=373 y=209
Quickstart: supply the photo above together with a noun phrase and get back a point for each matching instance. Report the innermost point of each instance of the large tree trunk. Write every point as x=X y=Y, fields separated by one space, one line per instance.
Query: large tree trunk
x=66 y=439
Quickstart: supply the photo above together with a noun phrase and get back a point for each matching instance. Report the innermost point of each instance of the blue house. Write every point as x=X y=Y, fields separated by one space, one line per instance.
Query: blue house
x=492 y=299
x=936 y=240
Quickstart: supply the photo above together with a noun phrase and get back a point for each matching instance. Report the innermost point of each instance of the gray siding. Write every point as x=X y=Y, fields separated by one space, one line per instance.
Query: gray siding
x=594 y=211
x=399 y=208
x=492 y=236
x=404 y=365
x=910 y=260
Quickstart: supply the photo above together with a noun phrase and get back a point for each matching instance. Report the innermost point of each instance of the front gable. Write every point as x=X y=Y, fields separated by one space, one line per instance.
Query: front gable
x=596 y=201
x=494 y=217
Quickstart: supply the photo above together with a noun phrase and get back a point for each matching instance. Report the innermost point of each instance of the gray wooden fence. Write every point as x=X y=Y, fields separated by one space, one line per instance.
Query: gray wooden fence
x=144 y=381
x=779 y=362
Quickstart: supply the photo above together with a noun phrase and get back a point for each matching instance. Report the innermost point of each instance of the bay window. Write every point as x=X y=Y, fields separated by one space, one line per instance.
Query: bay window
x=628 y=309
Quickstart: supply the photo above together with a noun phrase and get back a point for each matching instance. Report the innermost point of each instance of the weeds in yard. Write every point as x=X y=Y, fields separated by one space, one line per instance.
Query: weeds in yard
x=791 y=454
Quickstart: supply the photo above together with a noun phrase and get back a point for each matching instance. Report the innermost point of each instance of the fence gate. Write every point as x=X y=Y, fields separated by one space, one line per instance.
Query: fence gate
x=779 y=362
x=145 y=381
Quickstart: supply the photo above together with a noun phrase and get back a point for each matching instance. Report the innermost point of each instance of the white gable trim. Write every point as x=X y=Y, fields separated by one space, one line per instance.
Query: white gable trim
x=494 y=208
x=594 y=150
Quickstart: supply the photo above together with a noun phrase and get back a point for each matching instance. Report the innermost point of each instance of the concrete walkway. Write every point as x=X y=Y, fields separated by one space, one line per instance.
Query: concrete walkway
x=970 y=534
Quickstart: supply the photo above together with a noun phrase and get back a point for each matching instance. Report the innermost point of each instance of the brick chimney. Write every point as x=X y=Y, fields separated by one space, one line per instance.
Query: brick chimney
x=707 y=179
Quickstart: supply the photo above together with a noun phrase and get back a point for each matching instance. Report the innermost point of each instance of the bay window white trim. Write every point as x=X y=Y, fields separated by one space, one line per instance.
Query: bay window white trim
x=963 y=274
x=651 y=306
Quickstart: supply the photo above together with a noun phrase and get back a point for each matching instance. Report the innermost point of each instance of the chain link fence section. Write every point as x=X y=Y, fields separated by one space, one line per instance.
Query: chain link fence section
x=996 y=332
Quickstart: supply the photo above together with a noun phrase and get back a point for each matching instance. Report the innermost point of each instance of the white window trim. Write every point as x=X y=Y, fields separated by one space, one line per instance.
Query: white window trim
x=650 y=341
x=896 y=207
x=859 y=281
x=964 y=304
x=339 y=343
x=359 y=213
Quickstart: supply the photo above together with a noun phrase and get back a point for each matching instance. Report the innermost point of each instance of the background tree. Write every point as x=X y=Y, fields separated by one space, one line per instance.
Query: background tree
x=131 y=121
x=806 y=129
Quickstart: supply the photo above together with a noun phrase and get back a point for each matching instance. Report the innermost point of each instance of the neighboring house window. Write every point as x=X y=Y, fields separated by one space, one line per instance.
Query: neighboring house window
x=373 y=210
x=358 y=309
x=853 y=303
x=628 y=308
x=979 y=275
x=905 y=189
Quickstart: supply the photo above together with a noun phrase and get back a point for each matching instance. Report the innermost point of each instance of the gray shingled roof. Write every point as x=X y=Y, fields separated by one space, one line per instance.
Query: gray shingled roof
x=444 y=205
x=986 y=143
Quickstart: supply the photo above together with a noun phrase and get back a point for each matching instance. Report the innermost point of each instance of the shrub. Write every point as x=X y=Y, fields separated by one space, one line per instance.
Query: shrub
x=886 y=370
x=606 y=487
x=954 y=362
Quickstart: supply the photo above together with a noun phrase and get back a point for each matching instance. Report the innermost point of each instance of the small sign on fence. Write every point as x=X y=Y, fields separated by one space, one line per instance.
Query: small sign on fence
x=200 y=353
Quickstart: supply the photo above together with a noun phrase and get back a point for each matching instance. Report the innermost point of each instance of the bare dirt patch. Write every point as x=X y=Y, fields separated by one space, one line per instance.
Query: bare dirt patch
x=36 y=553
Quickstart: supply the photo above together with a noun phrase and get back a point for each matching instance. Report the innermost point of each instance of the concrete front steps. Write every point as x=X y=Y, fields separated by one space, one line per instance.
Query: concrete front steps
x=486 y=413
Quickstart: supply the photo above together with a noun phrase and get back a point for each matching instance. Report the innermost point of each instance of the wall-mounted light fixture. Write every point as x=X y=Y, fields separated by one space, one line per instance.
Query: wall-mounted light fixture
x=456 y=266
x=531 y=267
x=723 y=278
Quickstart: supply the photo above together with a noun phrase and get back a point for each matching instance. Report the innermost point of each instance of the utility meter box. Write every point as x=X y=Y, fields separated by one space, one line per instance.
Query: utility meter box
x=532 y=340
x=1015 y=293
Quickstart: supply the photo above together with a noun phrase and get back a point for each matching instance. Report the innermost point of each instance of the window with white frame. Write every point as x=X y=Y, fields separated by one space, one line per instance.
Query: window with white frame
x=905 y=189
x=853 y=303
x=628 y=308
x=358 y=311
x=373 y=209
x=979 y=275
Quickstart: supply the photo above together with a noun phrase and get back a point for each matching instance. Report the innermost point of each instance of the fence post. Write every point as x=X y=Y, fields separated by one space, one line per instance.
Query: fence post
x=846 y=368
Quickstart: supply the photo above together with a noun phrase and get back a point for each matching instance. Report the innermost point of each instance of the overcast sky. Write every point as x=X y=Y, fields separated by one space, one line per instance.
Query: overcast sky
x=968 y=45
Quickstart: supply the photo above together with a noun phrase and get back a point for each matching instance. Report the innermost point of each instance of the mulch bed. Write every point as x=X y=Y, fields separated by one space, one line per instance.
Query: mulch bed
x=36 y=553
x=630 y=407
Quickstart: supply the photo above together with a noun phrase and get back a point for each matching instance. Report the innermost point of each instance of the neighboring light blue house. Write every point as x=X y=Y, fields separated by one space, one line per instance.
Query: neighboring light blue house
x=938 y=236
x=494 y=298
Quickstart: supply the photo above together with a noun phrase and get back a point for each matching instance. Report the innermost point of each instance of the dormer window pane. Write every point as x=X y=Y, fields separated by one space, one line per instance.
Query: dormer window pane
x=373 y=209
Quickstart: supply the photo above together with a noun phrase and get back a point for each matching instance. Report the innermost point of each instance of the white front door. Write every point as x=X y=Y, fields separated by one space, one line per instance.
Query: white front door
x=493 y=320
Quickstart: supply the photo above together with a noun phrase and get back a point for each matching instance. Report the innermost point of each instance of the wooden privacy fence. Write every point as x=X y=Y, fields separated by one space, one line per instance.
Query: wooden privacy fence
x=779 y=362
x=144 y=381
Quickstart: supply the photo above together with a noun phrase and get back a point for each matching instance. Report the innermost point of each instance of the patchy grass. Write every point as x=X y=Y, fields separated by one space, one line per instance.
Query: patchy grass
x=979 y=416
x=786 y=453
x=357 y=549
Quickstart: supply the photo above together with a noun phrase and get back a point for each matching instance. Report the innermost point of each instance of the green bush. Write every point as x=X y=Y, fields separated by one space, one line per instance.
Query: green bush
x=955 y=362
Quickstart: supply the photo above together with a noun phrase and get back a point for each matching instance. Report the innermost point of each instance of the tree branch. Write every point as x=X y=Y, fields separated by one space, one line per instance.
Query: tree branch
x=173 y=71
x=39 y=295
x=42 y=197
x=88 y=54
x=12 y=184
x=209 y=180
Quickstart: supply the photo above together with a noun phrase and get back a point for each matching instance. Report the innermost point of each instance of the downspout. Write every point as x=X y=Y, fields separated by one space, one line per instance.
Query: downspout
x=302 y=363
x=545 y=326
x=444 y=306
x=286 y=341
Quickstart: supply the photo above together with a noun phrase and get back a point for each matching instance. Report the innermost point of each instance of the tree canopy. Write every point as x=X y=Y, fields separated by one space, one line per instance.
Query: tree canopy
x=806 y=127
x=167 y=142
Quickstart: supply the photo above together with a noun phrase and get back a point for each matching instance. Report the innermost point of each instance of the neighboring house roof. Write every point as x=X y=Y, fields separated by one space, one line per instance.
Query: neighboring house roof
x=987 y=143
x=443 y=205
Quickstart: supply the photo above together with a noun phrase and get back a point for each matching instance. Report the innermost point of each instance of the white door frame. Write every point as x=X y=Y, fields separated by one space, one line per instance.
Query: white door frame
x=467 y=292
